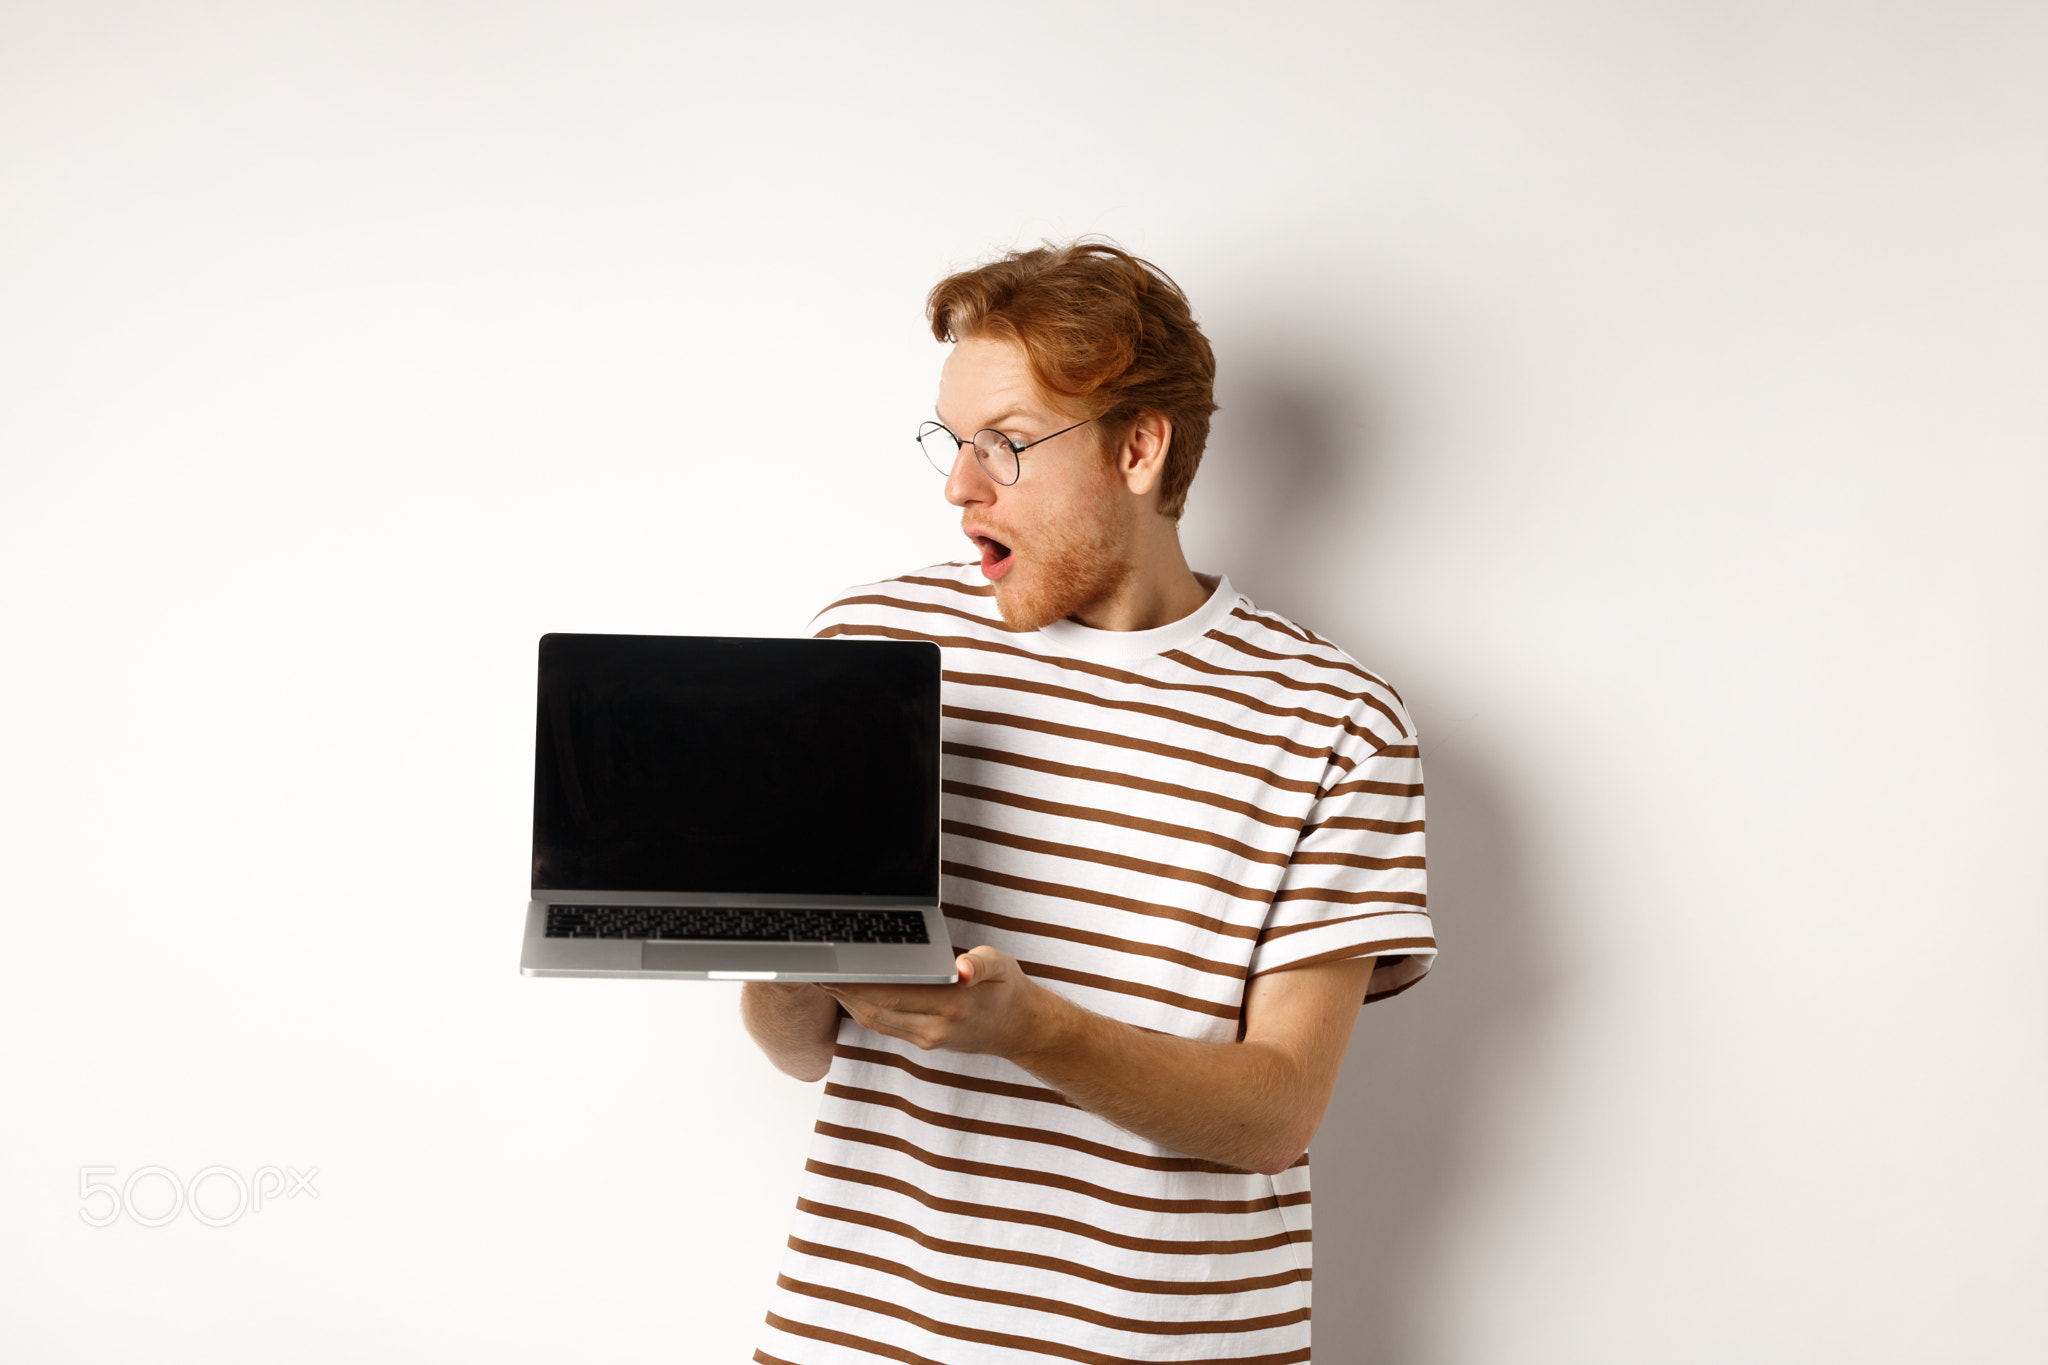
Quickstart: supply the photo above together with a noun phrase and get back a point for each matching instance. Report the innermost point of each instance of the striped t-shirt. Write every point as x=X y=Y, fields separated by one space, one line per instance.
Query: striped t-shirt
x=1145 y=820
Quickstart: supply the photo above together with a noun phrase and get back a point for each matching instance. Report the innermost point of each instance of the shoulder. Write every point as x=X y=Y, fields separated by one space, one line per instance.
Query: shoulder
x=1296 y=663
x=932 y=603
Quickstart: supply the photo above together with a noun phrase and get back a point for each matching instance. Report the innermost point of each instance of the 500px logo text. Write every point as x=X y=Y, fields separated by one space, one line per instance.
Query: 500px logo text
x=215 y=1195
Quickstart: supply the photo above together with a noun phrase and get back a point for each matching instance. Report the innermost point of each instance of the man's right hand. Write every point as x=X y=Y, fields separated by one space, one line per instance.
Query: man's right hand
x=795 y=1023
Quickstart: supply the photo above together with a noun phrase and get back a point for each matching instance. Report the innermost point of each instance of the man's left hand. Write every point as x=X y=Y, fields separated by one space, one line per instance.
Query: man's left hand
x=993 y=1008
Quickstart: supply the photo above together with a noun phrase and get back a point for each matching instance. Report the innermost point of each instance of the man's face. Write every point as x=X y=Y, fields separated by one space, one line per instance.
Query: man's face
x=1060 y=538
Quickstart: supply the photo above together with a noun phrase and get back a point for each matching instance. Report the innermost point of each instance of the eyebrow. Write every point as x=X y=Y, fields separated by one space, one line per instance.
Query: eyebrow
x=1005 y=415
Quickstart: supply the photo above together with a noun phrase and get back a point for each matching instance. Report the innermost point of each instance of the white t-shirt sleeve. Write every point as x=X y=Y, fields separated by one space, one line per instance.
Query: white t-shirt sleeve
x=1356 y=885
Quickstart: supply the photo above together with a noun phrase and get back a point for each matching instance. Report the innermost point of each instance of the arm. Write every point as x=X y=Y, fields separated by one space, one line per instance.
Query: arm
x=794 y=1024
x=1253 y=1104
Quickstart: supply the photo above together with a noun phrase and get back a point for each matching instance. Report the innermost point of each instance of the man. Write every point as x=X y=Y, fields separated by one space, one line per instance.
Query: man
x=1185 y=837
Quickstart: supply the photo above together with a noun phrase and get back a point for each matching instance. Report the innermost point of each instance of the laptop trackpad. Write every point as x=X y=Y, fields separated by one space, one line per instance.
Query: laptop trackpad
x=737 y=957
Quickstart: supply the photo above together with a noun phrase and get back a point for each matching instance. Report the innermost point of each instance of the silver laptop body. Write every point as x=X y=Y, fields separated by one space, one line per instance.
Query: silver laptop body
x=727 y=809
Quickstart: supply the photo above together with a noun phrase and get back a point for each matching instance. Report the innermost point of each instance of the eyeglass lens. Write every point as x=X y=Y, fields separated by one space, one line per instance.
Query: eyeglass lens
x=995 y=453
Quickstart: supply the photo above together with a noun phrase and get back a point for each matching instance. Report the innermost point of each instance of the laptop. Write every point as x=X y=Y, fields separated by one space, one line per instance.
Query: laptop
x=723 y=809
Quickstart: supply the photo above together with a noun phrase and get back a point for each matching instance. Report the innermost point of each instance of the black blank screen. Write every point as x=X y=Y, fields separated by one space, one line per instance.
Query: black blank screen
x=783 y=767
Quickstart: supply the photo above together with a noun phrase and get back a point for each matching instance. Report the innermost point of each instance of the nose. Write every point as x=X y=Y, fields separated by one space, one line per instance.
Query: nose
x=968 y=482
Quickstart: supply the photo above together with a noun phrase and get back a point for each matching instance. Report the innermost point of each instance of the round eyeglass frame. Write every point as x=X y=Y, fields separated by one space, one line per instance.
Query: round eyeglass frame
x=994 y=451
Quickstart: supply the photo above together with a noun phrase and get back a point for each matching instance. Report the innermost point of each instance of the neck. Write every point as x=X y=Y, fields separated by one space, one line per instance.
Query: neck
x=1159 y=589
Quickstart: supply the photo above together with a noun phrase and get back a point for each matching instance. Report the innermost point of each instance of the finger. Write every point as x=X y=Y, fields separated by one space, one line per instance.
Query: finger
x=862 y=1012
x=873 y=997
x=882 y=1013
x=891 y=1025
x=978 y=966
x=902 y=999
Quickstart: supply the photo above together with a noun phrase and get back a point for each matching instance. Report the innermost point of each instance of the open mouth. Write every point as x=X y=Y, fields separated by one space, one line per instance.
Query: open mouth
x=995 y=557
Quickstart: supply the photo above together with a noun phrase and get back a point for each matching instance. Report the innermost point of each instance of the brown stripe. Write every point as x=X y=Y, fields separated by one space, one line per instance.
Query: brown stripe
x=1417 y=899
x=1273 y=931
x=1356 y=860
x=1093 y=1232
x=951 y=585
x=1109 y=817
x=1123 y=862
x=1166 y=713
x=1276 y=624
x=905 y=604
x=1186 y=660
x=1025 y=1176
x=1133 y=988
x=1041 y=929
x=1376 y=788
x=847 y=1340
x=1036 y=1304
x=1347 y=954
x=931 y=1075
x=1143 y=746
x=880 y=632
x=884 y=1308
x=1375 y=826
x=1392 y=991
x=1339 y=664
x=1181 y=717
x=1013 y=1132
x=761 y=1357
x=1104 y=672
x=1303 y=635
x=1143 y=784
x=1075 y=1269
x=1124 y=676
x=969 y=872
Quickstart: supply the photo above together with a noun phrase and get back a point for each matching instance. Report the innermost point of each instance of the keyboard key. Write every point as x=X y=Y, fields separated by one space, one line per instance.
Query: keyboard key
x=735 y=924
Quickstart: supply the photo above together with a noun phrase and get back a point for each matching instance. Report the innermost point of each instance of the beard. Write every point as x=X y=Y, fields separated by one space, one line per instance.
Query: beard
x=1072 y=563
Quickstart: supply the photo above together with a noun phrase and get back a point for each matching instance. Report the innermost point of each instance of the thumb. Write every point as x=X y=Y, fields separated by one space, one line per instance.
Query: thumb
x=977 y=965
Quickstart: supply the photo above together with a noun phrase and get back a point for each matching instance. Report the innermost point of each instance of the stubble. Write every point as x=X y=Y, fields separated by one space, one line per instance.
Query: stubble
x=1074 y=562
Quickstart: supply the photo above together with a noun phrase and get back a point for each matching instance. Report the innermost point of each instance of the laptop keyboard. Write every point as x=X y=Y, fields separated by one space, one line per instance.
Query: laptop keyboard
x=719 y=923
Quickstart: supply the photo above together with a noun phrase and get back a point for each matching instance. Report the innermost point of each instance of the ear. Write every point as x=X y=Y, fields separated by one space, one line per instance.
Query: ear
x=1142 y=459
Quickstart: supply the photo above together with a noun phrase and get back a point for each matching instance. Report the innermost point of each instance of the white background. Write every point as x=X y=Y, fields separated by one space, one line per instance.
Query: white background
x=1655 y=393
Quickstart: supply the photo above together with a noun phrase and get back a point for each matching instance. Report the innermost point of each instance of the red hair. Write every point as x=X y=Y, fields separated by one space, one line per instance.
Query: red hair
x=1109 y=334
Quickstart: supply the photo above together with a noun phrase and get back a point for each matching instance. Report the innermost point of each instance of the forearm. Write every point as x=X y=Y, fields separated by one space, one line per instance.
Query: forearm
x=1244 y=1104
x=1252 y=1104
x=794 y=1024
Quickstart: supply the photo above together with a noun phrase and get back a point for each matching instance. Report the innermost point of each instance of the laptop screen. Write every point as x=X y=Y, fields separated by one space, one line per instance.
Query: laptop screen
x=701 y=764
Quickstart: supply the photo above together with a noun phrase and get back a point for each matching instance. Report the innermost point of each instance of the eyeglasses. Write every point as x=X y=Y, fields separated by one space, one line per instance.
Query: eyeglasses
x=996 y=452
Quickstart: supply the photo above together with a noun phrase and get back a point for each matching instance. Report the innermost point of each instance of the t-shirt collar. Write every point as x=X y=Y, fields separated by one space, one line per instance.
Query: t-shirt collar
x=1111 y=646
